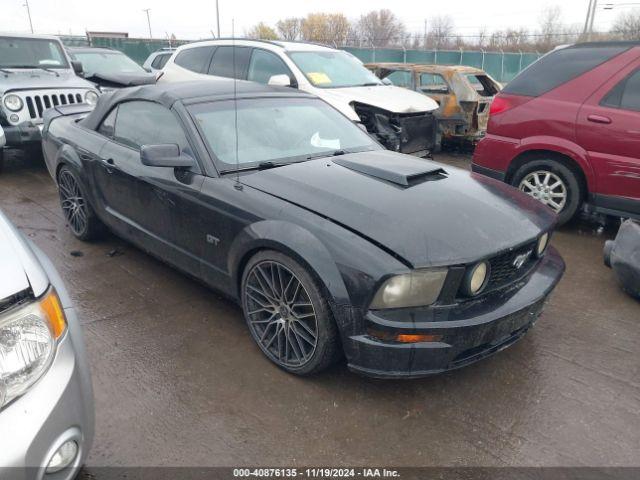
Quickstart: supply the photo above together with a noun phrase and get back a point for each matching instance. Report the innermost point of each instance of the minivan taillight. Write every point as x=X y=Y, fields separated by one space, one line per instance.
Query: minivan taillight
x=501 y=103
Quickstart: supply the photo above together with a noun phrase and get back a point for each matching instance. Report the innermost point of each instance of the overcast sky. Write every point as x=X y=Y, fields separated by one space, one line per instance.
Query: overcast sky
x=193 y=19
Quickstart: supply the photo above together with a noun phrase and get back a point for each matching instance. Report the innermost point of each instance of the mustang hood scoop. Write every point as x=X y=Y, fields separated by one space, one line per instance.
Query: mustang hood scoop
x=386 y=166
x=452 y=221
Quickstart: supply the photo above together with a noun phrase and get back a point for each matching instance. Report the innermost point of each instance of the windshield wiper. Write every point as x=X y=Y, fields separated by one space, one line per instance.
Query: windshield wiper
x=334 y=153
x=371 y=84
x=261 y=166
x=5 y=71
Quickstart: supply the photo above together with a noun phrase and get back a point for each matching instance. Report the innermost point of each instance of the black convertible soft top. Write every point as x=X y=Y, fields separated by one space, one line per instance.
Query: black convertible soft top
x=186 y=92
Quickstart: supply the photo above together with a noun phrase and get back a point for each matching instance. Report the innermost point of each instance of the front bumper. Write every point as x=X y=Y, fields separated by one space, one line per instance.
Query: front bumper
x=470 y=331
x=23 y=134
x=59 y=407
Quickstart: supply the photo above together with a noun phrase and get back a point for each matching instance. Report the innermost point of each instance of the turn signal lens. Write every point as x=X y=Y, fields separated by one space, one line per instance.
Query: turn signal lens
x=54 y=313
x=418 y=338
x=403 y=337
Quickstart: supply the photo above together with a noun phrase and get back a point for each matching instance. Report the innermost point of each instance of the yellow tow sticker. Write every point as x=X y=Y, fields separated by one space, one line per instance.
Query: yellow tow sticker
x=319 y=78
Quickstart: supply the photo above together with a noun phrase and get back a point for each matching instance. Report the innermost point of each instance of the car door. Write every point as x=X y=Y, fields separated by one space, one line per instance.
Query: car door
x=608 y=128
x=145 y=203
x=225 y=58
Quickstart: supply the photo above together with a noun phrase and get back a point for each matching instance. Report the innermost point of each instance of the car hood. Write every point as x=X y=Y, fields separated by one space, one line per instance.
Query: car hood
x=35 y=79
x=118 y=80
x=19 y=267
x=427 y=213
x=386 y=97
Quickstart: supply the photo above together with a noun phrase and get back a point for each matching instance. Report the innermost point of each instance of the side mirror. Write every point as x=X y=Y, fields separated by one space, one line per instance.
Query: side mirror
x=77 y=67
x=386 y=81
x=280 y=81
x=167 y=155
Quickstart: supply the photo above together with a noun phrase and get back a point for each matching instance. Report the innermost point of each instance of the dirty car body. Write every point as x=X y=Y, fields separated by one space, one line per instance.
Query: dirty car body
x=46 y=398
x=464 y=95
x=357 y=219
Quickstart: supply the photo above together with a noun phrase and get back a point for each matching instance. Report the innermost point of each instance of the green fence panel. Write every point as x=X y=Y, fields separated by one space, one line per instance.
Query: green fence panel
x=136 y=48
x=501 y=66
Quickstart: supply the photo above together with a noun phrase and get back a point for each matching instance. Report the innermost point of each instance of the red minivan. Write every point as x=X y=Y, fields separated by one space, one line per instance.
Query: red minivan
x=567 y=130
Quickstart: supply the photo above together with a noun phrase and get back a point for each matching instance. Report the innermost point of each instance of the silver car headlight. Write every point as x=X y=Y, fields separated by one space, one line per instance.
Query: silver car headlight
x=415 y=289
x=91 y=97
x=13 y=102
x=28 y=336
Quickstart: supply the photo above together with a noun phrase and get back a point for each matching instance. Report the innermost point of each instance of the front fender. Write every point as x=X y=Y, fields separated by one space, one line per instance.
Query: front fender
x=564 y=147
x=294 y=241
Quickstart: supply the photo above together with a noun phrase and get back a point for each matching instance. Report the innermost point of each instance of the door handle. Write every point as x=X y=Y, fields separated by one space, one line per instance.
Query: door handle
x=599 y=119
x=109 y=164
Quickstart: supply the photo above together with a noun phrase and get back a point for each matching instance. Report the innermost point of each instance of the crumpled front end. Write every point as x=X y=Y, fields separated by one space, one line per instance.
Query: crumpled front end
x=623 y=256
x=411 y=133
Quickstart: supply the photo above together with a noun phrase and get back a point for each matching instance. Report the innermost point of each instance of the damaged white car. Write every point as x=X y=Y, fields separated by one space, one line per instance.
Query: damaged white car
x=398 y=118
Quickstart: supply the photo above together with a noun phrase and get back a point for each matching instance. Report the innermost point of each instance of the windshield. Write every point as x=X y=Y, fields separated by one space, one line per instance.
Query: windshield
x=333 y=69
x=279 y=130
x=106 y=62
x=31 y=53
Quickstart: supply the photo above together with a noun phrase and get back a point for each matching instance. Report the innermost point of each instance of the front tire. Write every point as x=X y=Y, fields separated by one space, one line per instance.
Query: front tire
x=287 y=314
x=552 y=183
x=80 y=217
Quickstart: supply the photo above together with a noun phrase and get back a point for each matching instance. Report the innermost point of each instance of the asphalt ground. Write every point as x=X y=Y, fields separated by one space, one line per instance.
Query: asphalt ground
x=178 y=380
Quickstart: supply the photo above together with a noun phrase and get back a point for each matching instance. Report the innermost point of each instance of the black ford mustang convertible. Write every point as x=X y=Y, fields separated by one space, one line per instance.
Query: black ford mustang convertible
x=329 y=243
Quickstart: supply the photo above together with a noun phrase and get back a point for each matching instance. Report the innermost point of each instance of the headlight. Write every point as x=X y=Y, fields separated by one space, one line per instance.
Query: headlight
x=476 y=279
x=543 y=242
x=28 y=337
x=91 y=97
x=415 y=289
x=13 y=102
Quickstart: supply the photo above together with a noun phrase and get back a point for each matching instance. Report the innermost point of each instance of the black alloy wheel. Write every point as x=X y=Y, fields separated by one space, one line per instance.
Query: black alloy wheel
x=286 y=314
x=77 y=212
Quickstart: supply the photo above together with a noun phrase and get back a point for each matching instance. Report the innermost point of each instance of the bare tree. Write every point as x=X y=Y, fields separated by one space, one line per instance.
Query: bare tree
x=441 y=32
x=626 y=26
x=262 y=31
x=381 y=28
x=289 y=28
x=550 y=24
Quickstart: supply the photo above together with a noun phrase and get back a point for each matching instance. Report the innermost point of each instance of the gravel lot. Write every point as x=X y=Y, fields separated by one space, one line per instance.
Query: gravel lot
x=178 y=380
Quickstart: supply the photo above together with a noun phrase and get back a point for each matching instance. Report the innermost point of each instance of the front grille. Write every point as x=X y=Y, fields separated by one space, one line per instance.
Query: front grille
x=504 y=269
x=37 y=104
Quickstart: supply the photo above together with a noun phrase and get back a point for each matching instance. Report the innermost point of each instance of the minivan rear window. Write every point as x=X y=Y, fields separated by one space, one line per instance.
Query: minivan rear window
x=559 y=67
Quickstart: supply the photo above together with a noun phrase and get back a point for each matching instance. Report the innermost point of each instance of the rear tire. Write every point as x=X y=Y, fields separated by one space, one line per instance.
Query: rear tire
x=78 y=213
x=552 y=183
x=288 y=314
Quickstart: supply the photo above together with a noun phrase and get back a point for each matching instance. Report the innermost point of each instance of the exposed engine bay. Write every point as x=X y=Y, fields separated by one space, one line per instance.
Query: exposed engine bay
x=412 y=133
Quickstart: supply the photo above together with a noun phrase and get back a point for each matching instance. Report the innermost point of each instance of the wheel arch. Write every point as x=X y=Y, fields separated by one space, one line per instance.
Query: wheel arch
x=294 y=241
x=546 y=154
